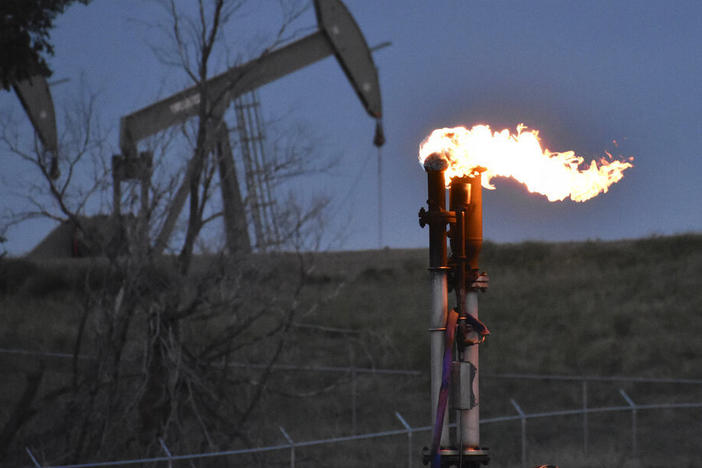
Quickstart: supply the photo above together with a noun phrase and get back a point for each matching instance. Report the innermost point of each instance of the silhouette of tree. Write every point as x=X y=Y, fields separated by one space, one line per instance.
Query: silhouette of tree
x=25 y=39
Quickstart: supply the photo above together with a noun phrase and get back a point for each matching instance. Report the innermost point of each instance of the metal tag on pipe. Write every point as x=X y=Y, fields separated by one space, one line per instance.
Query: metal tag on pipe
x=462 y=377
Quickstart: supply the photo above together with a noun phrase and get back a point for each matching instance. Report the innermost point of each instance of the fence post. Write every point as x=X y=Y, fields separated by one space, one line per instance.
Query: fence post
x=168 y=452
x=31 y=455
x=630 y=402
x=354 y=388
x=292 y=446
x=585 y=422
x=522 y=417
x=409 y=438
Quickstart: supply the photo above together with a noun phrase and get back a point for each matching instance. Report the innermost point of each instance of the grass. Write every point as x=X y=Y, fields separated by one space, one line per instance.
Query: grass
x=599 y=308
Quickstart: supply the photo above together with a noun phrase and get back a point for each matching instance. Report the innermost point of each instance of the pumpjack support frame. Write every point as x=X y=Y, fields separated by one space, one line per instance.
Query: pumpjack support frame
x=338 y=34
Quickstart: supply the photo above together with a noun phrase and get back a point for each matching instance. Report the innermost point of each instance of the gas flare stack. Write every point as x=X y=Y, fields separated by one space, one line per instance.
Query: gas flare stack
x=455 y=334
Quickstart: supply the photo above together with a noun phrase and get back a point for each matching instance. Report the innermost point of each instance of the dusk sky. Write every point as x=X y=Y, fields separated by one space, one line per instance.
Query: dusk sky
x=584 y=73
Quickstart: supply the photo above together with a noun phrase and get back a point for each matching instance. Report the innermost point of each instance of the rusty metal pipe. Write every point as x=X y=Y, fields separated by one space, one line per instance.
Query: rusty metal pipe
x=459 y=203
x=435 y=166
x=475 y=222
x=470 y=418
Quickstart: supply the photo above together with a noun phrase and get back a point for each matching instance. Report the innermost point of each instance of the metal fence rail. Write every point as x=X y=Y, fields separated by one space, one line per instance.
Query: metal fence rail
x=408 y=372
x=352 y=372
x=355 y=372
x=591 y=378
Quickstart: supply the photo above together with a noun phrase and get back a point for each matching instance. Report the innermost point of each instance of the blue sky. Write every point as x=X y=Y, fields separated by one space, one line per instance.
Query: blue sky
x=582 y=73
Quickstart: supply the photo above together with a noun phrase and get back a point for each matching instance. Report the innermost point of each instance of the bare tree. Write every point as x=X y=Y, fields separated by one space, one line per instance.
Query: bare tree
x=160 y=343
x=193 y=42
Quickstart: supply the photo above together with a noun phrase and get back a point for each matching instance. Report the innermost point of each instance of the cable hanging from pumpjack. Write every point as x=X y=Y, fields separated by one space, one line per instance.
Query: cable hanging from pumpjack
x=379 y=141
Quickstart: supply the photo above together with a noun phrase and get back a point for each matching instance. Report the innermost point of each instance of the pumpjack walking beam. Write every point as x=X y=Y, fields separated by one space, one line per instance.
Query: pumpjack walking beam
x=338 y=34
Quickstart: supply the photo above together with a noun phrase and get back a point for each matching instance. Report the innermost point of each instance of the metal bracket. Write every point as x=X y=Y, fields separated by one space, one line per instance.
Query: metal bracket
x=463 y=385
x=480 y=282
x=473 y=373
x=432 y=216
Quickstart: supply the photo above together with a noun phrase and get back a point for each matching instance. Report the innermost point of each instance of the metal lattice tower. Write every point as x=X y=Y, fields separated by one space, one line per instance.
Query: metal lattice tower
x=258 y=172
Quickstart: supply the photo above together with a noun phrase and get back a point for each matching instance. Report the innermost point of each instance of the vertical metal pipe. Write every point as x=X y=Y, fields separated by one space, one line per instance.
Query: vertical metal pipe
x=630 y=402
x=462 y=398
x=585 y=422
x=459 y=197
x=524 y=443
x=167 y=451
x=439 y=310
x=354 y=391
x=409 y=438
x=292 y=446
x=522 y=417
x=435 y=165
x=470 y=418
x=409 y=449
x=459 y=202
x=634 y=445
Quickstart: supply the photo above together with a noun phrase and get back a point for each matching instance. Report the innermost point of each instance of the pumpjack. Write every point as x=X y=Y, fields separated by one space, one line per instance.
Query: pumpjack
x=338 y=34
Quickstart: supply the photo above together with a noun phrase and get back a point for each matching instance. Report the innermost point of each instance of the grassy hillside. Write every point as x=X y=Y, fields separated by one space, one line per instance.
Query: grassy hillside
x=625 y=307
x=584 y=308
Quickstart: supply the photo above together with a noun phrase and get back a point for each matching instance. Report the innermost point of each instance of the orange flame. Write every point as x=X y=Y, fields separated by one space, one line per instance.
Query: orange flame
x=520 y=156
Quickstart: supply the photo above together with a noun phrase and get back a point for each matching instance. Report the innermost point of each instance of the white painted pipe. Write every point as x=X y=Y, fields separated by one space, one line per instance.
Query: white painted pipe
x=439 y=311
x=470 y=418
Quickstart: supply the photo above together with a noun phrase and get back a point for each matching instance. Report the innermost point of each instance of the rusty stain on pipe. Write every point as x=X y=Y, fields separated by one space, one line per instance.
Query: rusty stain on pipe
x=435 y=165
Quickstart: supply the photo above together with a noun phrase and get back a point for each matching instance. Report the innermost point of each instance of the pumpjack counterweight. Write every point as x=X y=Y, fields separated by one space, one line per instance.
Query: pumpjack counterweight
x=35 y=97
